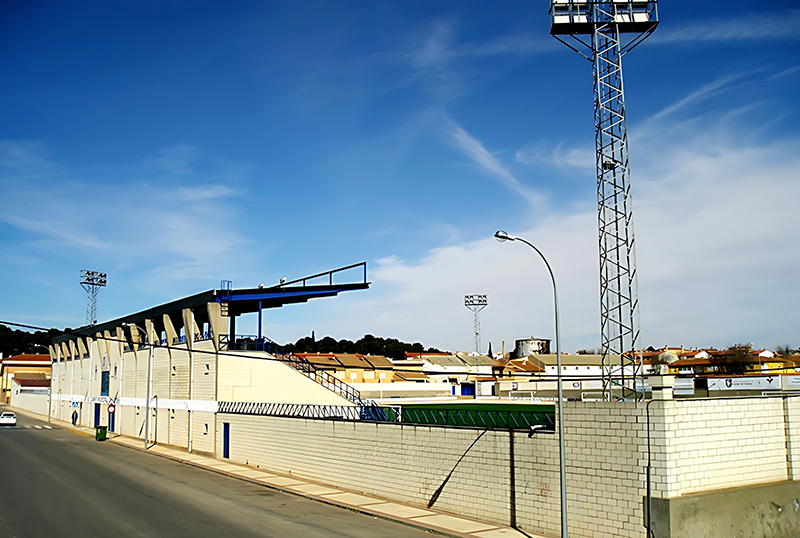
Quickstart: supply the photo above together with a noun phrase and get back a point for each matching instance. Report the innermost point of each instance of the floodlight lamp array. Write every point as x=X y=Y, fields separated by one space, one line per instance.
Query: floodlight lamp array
x=476 y=300
x=93 y=278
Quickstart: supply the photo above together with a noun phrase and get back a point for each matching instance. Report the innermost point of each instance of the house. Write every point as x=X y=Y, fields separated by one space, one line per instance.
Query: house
x=352 y=367
x=31 y=394
x=26 y=366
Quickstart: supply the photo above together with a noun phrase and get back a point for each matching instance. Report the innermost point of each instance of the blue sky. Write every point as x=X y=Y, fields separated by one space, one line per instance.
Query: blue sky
x=173 y=144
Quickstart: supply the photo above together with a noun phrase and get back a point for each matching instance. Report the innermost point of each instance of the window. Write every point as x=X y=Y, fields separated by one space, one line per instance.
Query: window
x=208 y=369
x=174 y=370
x=206 y=429
x=115 y=370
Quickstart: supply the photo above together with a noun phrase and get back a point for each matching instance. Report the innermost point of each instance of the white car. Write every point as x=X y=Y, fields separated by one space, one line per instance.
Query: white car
x=8 y=419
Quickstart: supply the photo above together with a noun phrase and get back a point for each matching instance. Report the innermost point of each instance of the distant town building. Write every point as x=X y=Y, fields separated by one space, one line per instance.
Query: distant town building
x=26 y=366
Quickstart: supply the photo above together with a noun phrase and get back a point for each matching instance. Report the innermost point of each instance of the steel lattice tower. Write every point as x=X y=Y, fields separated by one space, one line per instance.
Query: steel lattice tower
x=91 y=282
x=607 y=23
x=476 y=303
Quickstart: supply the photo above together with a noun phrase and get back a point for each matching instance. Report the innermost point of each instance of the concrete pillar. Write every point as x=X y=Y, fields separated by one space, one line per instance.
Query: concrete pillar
x=169 y=328
x=662 y=386
x=217 y=321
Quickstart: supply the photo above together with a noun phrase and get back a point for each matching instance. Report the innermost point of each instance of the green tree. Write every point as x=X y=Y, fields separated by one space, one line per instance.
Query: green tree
x=367 y=345
x=736 y=359
x=17 y=342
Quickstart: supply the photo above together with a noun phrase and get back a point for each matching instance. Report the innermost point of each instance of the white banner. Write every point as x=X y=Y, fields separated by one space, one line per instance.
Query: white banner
x=684 y=386
x=103 y=400
x=790 y=382
x=157 y=403
x=745 y=383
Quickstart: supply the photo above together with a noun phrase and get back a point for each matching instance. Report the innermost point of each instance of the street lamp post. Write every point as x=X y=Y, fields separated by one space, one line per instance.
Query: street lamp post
x=500 y=235
x=149 y=379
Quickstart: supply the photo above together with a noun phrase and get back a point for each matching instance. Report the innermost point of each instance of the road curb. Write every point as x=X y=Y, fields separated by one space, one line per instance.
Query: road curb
x=356 y=509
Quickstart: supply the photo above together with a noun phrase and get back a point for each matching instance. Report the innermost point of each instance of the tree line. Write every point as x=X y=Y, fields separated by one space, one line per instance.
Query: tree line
x=366 y=345
x=17 y=342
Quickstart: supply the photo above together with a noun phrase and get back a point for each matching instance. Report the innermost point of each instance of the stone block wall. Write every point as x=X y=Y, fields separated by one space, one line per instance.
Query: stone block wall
x=511 y=479
x=711 y=444
x=505 y=477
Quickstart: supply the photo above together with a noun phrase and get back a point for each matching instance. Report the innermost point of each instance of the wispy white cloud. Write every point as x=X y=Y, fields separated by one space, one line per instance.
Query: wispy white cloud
x=204 y=192
x=177 y=159
x=751 y=27
x=786 y=72
x=716 y=235
x=443 y=62
x=559 y=156
x=702 y=94
x=164 y=226
x=488 y=163
x=64 y=230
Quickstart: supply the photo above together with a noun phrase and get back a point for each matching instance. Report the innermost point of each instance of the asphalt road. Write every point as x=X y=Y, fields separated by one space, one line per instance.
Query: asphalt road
x=56 y=483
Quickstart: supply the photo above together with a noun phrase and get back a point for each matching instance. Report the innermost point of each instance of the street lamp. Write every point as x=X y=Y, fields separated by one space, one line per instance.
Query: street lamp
x=149 y=387
x=502 y=236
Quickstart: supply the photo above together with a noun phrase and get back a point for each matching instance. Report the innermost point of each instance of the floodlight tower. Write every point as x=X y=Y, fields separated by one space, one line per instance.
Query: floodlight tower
x=476 y=303
x=615 y=28
x=92 y=281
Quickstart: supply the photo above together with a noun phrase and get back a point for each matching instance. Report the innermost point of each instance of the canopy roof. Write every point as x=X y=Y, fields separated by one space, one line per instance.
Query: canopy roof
x=243 y=301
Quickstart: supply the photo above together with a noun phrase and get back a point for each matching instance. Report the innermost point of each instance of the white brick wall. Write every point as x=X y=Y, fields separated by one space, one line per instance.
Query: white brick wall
x=696 y=445
x=714 y=444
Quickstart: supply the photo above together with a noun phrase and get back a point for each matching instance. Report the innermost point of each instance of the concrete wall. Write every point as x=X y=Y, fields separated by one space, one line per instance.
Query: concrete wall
x=36 y=403
x=720 y=443
x=256 y=377
x=408 y=463
x=767 y=510
x=698 y=447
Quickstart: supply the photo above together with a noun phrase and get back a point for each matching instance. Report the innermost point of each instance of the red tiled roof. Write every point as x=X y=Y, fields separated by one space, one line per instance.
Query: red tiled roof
x=27 y=357
x=347 y=360
x=32 y=382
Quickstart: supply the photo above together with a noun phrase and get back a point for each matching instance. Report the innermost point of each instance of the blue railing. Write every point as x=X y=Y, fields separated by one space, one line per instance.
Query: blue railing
x=247 y=342
x=324 y=378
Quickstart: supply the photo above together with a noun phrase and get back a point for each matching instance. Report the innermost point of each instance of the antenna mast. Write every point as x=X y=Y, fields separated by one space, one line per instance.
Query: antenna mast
x=615 y=28
x=91 y=282
x=476 y=303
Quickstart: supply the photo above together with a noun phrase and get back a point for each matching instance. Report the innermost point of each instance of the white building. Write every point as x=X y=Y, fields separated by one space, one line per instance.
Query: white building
x=195 y=363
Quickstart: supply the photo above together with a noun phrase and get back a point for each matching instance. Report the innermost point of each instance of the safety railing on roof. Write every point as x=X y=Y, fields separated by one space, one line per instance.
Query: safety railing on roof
x=247 y=342
x=469 y=418
x=324 y=378
x=328 y=274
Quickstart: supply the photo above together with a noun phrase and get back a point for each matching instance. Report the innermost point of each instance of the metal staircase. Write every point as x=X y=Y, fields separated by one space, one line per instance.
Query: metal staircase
x=325 y=379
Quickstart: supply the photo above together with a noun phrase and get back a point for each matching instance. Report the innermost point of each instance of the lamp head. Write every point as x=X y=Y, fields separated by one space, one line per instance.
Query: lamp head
x=502 y=236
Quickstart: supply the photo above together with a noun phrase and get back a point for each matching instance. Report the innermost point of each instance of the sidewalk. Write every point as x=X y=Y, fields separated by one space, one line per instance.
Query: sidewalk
x=426 y=519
